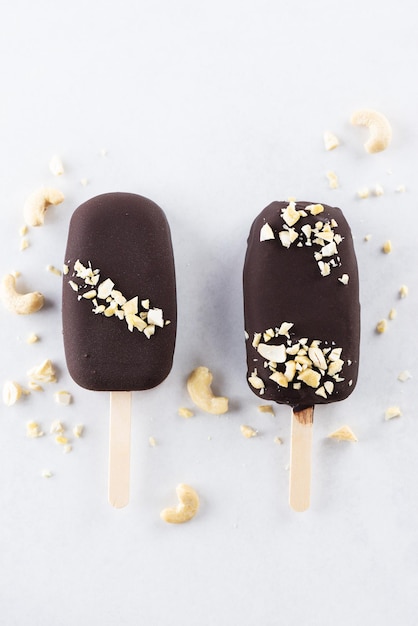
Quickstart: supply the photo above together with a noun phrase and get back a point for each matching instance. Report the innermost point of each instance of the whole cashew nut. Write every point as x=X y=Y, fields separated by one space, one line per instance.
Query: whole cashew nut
x=38 y=202
x=199 y=388
x=20 y=303
x=186 y=509
x=380 y=129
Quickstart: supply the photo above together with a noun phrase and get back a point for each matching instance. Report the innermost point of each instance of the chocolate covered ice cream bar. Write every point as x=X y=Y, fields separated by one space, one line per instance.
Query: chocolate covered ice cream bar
x=301 y=306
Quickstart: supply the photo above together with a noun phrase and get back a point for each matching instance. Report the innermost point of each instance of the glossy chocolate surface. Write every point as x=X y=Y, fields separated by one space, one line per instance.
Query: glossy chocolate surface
x=285 y=284
x=127 y=238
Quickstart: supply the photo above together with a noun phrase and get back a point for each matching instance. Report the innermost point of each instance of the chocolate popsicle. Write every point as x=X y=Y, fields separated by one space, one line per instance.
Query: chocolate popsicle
x=302 y=316
x=119 y=309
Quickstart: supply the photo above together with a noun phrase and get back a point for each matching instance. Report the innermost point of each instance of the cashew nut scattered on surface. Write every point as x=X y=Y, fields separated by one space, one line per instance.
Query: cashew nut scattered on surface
x=199 y=388
x=38 y=202
x=186 y=509
x=380 y=129
x=20 y=303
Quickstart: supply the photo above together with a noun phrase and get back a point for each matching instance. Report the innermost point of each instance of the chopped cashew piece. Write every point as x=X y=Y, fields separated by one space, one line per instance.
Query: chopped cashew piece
x=78 y=430
x=248 y=431
x=38 y=202
x=33 y=430
x=46 y=473
x=199 y=388
x=387 y=247
x=330 y=140
x=56 y=166
x=343 y=434
x=332 y=180
x=32 y=338
x=43 y=373
x=404 y=376
x=186 y=509
x=381 y=327
x=266 y=408
x=20 y=303
x=184 y=412
x=403 y=291
x=380 y=129
x=392 y=411
x=11 y=393
x=63 y=397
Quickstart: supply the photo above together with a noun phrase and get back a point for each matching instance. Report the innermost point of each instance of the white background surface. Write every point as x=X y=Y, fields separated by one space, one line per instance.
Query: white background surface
x=213 y=110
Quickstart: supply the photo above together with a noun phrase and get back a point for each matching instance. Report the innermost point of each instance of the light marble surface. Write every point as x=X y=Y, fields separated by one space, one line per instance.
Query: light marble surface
x=213 y=110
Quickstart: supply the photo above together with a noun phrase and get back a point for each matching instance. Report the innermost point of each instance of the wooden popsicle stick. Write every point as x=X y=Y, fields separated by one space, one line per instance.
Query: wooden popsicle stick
x=300 y=459
x=119 y=448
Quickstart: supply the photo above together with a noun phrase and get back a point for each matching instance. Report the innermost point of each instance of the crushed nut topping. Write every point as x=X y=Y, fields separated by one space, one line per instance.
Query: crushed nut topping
x=381 y=327
x=299 y=361
x=184 y=412
x=110 y=302
x=322 y=237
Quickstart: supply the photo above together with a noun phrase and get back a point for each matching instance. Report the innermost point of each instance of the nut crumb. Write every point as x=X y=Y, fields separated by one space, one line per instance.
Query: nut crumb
x=387 y=247
x=248 y=432
x=43 y=373
x=378 y=190
x=34 y=386
x=332 y=179
x=57 y=427
x=266 y=408
x=78 y=430
x=392 y=314
x=403 y=291
x=32 y=338
x=392 y=411
x=84 y=182
x=23 y=230
x=278 y=440
x=33 y=430
x=363 y=193
x=400 y=189
x=367 y=237
x=67 y=448
x=152 y=442
x=53 y=270
x=184 y=412
x=381 y=327
x=61 y=440
x=330 y=140
x=24 y=244
x=404 y=376
x=12 y=391
x=343 y=434
x=46 y=473
x=63 y=398
x=56 y=166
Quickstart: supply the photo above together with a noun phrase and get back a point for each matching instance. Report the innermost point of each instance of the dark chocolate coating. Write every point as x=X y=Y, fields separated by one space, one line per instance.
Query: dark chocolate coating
x=127 y=237
x=285 y=285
